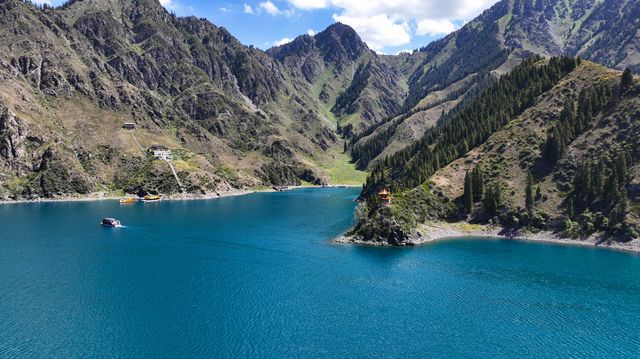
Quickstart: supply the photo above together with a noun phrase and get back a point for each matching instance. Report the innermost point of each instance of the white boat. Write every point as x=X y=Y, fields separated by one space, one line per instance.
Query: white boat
x=111 y=222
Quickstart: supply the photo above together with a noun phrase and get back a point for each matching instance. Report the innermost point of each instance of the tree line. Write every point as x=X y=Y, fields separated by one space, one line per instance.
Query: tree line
x=363 y=153
x=461 y=131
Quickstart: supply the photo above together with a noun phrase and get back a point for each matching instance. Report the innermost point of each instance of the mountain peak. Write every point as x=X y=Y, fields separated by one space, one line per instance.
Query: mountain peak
x=341 y=29
x=339 y=43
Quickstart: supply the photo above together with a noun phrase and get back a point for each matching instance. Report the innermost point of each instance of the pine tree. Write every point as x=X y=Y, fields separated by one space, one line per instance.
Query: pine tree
x=618 y=213
x=621 y=168
x=468 y=193
x=538 y=193
x=490 y=204
x=598 y=179
x=583 y=185
x=570 y=209
x=492 y=199
x=477 y=180
x=627 y=80
x=612 y=192
x=553 y=147
x=568 y=113
x=529 y=202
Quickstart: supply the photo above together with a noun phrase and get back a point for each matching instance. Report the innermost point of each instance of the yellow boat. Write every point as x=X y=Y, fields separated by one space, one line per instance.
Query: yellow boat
x=128 y=200
x=151 y=198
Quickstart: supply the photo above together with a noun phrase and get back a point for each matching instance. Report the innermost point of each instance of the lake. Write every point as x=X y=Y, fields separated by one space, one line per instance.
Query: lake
x=257 y=276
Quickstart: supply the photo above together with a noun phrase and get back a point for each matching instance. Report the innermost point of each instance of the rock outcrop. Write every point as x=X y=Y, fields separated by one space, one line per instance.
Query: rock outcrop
x=13 y=134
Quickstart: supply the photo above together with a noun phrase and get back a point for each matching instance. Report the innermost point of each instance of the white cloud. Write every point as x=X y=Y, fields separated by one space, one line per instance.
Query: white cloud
x=178 y=7
x=272 y=9
x=41 y=2
x=311 y=32
x=383 y=23
x=378 y=31
x=435 y=27
x=408 y=9
x=310 y=4
x=248 y=9
x=167 y=3
x=282 y=41
x=269 y=7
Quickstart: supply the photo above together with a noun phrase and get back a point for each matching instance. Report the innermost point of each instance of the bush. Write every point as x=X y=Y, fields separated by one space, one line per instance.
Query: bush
x=571 y=229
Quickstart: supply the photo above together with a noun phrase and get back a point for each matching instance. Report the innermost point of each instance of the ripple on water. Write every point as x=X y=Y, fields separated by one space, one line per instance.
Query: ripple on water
x=255 y=276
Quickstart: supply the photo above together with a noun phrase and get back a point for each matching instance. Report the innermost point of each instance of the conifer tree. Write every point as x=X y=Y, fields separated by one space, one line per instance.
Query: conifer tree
x=621 y=169
x=553 y=147
x=598 y=179
x=529 y=202
x=612 y=192
x=492 y=199
x=570 y=210
x=627 y=80
x=490 y=204
x=468 y=193
x=568 y=113
x=477 y=179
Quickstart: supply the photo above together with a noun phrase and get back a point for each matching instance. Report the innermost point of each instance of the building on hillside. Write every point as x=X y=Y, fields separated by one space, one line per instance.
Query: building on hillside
x=129 y=126
x=385 y=197
x=160 y=151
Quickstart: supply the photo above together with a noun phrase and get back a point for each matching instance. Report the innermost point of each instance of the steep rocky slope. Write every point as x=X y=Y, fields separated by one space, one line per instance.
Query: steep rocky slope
x=566 y=161
x=461 y=64
x=237 y=117
x=348 y=79
x=73 y=75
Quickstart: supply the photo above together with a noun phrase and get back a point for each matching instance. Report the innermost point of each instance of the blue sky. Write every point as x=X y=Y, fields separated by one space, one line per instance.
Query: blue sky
x=387 y=26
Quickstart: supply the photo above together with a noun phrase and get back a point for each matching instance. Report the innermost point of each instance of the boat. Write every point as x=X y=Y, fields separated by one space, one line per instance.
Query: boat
x=111 y=222
x=128 y=200
x=151 y=198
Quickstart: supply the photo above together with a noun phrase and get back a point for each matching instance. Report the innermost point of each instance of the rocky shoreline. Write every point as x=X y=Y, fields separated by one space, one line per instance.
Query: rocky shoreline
x=435 y=232
x=103 y=196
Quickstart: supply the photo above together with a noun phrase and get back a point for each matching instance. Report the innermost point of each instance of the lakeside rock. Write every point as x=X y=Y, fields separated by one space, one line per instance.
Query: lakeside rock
x=435 y=232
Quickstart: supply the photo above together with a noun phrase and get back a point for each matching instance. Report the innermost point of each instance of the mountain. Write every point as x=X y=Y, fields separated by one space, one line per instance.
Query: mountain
x=463 y=63
x=72 y=75
x=552 y=146
x=493 y=134
x=352 y=83
x=236 y=117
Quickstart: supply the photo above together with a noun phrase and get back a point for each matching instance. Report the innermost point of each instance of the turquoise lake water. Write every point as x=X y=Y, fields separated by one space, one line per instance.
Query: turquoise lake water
x=256 y=276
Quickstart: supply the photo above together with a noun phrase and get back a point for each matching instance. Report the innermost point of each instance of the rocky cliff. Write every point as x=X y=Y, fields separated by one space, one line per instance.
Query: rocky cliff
x=73 y=75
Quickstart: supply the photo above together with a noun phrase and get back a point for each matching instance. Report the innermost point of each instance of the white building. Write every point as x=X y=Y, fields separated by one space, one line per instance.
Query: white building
x=160 y=152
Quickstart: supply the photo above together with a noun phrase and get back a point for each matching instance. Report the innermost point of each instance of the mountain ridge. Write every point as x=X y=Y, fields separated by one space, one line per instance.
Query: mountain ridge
x=185 y=82
x=565 y=161
x=237 y=117
x=500 y=38
x=352 y=82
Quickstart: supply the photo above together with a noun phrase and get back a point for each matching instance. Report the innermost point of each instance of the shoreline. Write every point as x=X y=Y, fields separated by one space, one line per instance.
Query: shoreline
x=102 y=196
x=434 y=233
